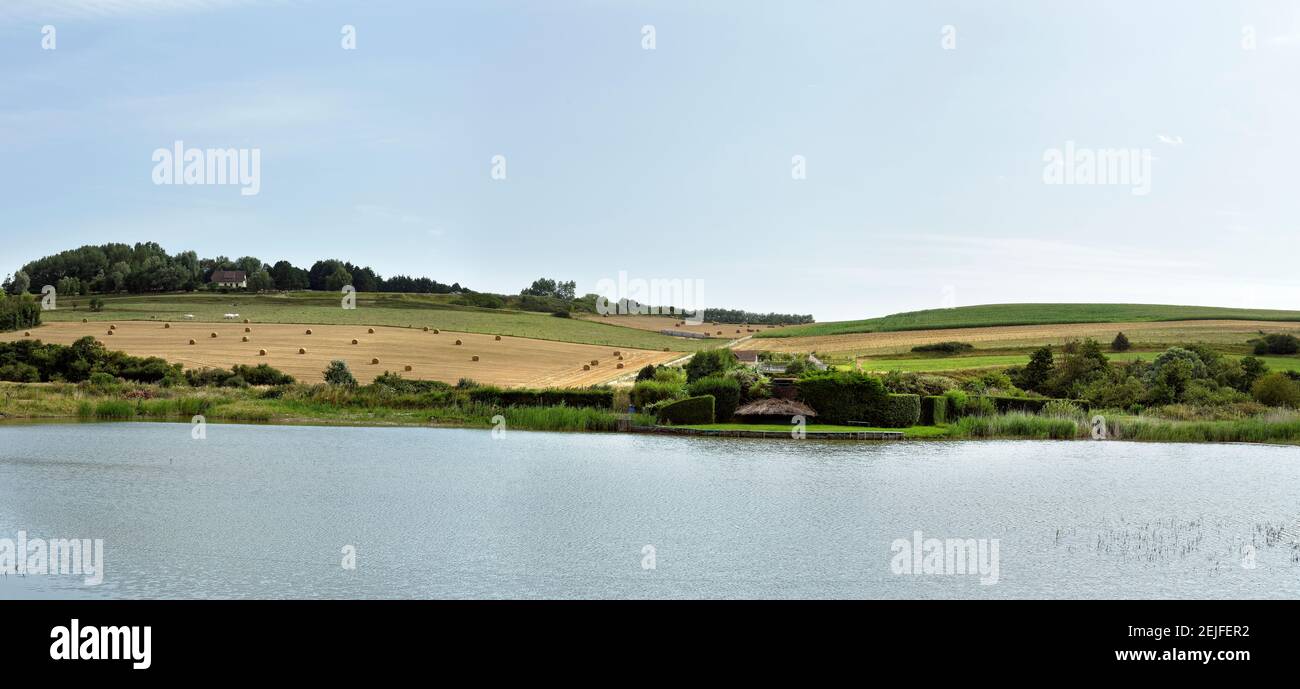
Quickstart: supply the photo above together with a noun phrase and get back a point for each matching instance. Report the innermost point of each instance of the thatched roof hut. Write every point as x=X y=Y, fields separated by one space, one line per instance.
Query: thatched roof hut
x=774 y=410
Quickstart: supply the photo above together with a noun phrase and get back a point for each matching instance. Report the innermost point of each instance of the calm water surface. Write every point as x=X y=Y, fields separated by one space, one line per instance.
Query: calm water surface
x=265 y=511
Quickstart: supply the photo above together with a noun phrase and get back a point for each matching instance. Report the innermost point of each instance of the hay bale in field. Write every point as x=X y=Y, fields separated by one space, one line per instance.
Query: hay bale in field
x=166 y=325
x=213 y=335
x=371 y=331
x=308 y=331
x=617 y=353
x=27 y=333
x=719 y=332
x=110 y=332
x=246 y=320
x=407 y=367
x=665 y=349
x=620 y=365
x=498 y=338
x=374 y=362
x=436 y=331
x=245 y=338
x=620 y=357
x=474 y=358
x=595 y=362
x=112 y=327
x=355 y=342
x=261 y=352
x=457 y=341
x=302 y=350
x=248 y=330
x=586 y=367
x=193 y=342
x=426 y=328
x=83 y=320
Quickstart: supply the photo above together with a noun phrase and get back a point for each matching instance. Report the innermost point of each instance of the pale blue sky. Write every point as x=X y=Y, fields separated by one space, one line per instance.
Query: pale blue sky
x=924 y=166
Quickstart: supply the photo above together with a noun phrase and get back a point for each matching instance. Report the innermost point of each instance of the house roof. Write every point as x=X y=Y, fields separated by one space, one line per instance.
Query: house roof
x=748 y=356
x=775 y=407
x=229 y=276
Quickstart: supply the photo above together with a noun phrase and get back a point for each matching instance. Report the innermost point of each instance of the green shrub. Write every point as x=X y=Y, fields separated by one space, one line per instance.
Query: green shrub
x=1030 y=405
x=708 y=362
x=725 y=391
x=899 y=411
x=934 y=410
x=1120 y=343
x=688 y=412
x=943 y=348
x=956 y=403
x=261 y=374
x=1277 y=343
x=338 y=373
x=597 y=398
x=21 y=373
x=648 y=392
x=1277 y=390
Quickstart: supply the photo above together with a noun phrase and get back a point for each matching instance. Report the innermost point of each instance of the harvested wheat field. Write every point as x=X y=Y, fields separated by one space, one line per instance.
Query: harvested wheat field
x=1158 y=333
x=726 y=331
x=510 y=361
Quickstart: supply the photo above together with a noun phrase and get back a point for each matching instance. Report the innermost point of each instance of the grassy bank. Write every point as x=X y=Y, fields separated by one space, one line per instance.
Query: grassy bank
x=64 y=401
x=1030 y=314
x=1274 y=427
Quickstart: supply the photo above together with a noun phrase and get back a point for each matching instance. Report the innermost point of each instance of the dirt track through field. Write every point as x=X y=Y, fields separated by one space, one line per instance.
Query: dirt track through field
x=1219 y=331
x=509 y=361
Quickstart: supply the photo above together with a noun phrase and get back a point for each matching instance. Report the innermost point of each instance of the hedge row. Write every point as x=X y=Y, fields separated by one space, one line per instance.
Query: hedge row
x=688 y=412
x=851 y=397
x=600 y=398
x=934 y=410
x=19 y=312
x=725 y=391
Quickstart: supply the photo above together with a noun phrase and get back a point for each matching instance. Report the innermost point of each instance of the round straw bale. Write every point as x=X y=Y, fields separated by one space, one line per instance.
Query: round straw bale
x=457 y=341
x=248 y=330
x=355 y=342
x=261 y=352
x=407 y=367
x=374 y=361
x=212 y=335
x=426 y=328
x=166 y=325
x=110 y=332
x=474 y=358
x=302 y=350
x=498 y=338
x=245 y=339
x=370 y=331
x=436 y=331
x=620 y=365
x=308 y=331
x=246 y=320
x=585 y=367
x=27 y=333
x=617 y=353
x=595 y=362
x=193 y=342
x=112 y=327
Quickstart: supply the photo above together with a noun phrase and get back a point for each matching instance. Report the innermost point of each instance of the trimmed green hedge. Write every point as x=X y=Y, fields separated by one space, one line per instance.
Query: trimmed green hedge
x=899 y=411
x=19 y=312
x=843 y=396
x=600 y=398
x=1027 y=404
x=647 y=392
x=934 y=410
x=725 y=391
x=687 y=412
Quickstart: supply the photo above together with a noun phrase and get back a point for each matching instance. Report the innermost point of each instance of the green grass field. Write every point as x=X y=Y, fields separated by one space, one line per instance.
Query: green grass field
x=912 y=432
x=402 y=310
x=1030 y=314
x=959 y=363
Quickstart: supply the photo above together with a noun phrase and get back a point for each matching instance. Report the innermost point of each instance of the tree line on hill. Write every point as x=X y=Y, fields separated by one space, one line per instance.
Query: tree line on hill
x=146 y=267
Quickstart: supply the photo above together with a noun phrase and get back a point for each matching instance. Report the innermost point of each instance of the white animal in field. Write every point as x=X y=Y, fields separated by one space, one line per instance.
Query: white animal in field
x=231 y=316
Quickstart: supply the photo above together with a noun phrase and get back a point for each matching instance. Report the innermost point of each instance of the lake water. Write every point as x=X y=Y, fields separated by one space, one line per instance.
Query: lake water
x=267 y=511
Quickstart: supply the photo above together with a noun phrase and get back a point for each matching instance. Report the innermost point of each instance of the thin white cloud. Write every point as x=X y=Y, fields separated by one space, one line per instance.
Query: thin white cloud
x=21 y=10
x=1171 y=140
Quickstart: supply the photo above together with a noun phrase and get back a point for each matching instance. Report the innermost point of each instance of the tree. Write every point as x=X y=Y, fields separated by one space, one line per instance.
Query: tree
x=21 y=283
x=337 y=373
x=708 y=362
x=1120 y=343
x=1038 y=371
x=546 y=287
x=338 y=279
x=260 y=281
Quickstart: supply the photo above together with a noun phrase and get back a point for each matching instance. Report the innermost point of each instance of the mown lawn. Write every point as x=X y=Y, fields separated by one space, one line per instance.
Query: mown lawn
x=912 y=432
x=1030 y=314
x=414 y=310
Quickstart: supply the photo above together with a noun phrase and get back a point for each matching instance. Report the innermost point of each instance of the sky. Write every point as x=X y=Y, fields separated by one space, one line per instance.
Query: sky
x=844 y=159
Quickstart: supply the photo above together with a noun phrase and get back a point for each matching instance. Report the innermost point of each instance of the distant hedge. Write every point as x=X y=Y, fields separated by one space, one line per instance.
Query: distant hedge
x=1028 y=404
x=943 y=348
x=725 y=391
x=600 y=398
x=647 y=392
x=934 y=410
x=688 y=412
x=899 y=411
